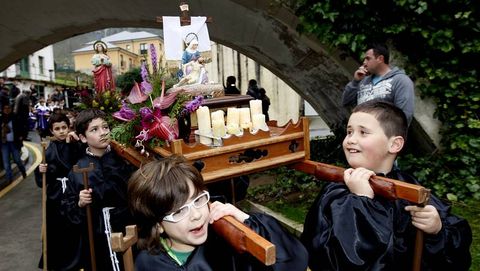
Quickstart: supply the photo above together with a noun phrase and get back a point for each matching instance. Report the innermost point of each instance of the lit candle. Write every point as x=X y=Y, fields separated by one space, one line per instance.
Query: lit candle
x=255 y=107
x=258 y=121
x=204 y=125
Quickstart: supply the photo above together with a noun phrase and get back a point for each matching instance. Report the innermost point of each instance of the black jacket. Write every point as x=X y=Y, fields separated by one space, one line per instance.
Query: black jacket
x=109 y=184
x=344 y=231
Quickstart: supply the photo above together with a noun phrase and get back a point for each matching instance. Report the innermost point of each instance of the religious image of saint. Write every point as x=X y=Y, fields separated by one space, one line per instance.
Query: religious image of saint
x=190 y=55
x=196 y=73
x=102 y=72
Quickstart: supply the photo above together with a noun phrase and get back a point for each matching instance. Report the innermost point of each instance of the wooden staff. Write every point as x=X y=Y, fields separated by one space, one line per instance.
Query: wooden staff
x=85 y=171
x=389 y=188
x=417 y=255
x=44 y=208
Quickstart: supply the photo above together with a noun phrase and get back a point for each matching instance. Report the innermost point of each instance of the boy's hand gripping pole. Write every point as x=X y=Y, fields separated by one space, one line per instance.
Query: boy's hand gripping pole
x=85 y=171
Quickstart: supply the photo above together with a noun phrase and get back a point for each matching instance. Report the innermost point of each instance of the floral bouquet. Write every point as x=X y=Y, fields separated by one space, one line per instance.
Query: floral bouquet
x=148 y=115
x=107 y=101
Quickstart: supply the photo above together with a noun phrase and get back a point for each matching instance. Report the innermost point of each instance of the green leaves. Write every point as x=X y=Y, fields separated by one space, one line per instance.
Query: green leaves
x=443 y=47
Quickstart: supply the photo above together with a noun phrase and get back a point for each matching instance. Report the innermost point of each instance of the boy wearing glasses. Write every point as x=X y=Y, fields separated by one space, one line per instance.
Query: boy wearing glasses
x=171 y=210
x=107 y=188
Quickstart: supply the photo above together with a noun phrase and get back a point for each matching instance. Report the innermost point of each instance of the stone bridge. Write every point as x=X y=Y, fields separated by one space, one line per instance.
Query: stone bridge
x=263 y=30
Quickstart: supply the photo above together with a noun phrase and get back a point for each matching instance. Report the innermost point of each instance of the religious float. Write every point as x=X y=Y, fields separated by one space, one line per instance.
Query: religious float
x=223 y=136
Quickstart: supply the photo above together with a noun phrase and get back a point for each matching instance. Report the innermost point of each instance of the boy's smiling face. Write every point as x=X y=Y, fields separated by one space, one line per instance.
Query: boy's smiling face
x=97 y=136
x=366 y=144
x=192 y=230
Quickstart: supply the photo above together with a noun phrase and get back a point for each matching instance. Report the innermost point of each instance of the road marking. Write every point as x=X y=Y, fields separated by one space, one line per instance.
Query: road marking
x=37 y=156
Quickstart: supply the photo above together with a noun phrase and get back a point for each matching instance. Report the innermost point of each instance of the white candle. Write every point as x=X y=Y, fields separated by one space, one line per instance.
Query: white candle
x=233 y=128
x=245 y=117
x=204 y=126
x=218 y=115
x=255 y=107
x=233 y=116
x=258 y=121
x=218 y=128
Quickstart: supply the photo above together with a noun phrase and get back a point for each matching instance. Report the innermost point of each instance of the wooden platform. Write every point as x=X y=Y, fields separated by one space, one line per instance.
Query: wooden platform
x=239 y=155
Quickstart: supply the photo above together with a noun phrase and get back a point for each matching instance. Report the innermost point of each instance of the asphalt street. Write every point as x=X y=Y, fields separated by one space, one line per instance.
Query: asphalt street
x=21 y=219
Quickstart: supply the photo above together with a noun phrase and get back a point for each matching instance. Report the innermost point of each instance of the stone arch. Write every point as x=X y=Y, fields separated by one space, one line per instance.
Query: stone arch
x=263 y=30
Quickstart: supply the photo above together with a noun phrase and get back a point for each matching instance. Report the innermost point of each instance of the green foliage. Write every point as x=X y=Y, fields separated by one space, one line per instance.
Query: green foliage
x=329 y=149
x=122 y=132
x=73 y=78
x=108 y=101
x=126 y=81
x=287 y=182
x=441 y=46
x=470 y=211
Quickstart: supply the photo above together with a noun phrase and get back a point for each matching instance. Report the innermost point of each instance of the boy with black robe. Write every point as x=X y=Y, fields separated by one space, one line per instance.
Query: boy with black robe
x=107 y=187
x=60 y=156
x=350 y=228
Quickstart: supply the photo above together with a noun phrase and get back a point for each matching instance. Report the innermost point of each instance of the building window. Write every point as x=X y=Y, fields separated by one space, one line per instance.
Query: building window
x=130 y=63
x=122 y=63
x=143 y=48
x=128 y=47
x=41 y=65
x=24 y=64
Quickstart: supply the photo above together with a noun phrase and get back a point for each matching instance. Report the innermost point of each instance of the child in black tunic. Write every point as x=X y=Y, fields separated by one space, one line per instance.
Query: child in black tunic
x=107 y=188
x=62 y=236
x=170 y=206
x=350 y=228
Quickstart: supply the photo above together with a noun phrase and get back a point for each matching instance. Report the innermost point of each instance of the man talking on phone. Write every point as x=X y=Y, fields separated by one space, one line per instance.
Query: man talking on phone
x=375 y=79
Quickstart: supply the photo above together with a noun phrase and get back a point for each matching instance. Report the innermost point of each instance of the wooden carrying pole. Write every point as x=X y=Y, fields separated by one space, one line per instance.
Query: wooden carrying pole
x=85 y=171
x=385 y=187
x=239 y=236
x=389 y=188
x=44 y=209
x=243 y=239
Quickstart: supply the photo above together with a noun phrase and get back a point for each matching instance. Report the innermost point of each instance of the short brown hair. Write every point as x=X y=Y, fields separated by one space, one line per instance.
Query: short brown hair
x=156 y=189
x=391 y=118
x=86 y=116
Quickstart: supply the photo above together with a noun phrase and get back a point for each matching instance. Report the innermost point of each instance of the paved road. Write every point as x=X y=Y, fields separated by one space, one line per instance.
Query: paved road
x=21 y=221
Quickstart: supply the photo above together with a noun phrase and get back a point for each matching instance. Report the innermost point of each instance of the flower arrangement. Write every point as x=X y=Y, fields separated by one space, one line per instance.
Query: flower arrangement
x=148 y=115
x=108 y=101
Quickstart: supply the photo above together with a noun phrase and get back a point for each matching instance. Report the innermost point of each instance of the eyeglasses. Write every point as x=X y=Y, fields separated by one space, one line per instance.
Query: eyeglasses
x=198 y=202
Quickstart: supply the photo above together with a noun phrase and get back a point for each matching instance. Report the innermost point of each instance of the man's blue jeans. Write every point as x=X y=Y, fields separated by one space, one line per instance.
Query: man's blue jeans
x=7 y=149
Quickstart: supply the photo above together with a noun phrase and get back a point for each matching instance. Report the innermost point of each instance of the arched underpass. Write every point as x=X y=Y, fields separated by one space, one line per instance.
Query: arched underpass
x=262 y=30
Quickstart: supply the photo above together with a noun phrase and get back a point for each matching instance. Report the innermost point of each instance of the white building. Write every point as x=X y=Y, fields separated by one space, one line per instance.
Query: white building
x=37 y=66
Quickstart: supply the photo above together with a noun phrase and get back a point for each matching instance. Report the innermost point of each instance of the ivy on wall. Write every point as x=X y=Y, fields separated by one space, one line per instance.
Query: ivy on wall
x=440 y=41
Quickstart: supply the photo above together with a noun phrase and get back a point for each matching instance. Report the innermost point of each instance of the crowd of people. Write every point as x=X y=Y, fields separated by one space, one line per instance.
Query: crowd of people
x=348 y=227
x=23 y=111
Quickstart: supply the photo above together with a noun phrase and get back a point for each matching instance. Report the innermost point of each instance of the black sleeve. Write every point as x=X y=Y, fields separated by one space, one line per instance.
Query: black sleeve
x=290 y=253
x=450 y=248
